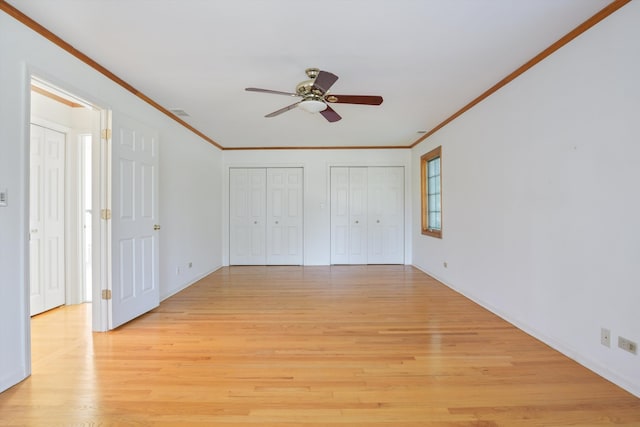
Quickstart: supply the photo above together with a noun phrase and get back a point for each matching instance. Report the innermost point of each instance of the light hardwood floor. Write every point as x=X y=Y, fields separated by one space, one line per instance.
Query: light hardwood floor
x=307 y=346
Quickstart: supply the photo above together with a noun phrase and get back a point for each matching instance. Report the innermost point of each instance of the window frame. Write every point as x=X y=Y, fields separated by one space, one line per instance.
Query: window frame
x=424 y=188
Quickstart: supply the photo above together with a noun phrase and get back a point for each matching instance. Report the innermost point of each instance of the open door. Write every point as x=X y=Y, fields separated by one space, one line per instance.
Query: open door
x=47 y=219
x=134 y=220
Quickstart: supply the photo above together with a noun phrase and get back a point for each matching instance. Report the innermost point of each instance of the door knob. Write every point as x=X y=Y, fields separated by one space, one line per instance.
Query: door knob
x=156 y=227
x=378 y=221
x=276 y=222
x=255 y=222
x=357 y=222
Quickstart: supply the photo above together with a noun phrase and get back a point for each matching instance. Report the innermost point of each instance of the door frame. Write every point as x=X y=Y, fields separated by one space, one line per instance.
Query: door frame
x=99 y=194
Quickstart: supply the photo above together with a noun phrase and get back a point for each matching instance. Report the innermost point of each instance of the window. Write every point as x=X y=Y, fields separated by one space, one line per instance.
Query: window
x=431 y=194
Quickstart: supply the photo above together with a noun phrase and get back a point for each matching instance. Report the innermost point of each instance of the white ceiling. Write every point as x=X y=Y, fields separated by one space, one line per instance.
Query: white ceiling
x=427 y=58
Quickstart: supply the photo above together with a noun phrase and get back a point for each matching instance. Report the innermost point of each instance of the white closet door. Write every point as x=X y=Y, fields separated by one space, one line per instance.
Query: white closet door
x=339 y=215
x=367 y=215
x=284 y=226
x=386 y=215
x=358 y=207
x=348 y=215
x=47 y=201
x=247 y=216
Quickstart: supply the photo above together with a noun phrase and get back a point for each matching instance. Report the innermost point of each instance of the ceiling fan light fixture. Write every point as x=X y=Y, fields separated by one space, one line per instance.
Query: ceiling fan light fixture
x=315 y=98
x=313 y=106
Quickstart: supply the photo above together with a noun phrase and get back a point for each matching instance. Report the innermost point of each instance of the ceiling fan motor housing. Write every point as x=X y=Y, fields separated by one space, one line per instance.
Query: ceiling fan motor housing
x=307 y=91
x=306 y=88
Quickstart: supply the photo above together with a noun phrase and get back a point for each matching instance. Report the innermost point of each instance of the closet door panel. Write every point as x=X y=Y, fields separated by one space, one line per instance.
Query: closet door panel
x=339 y=188
x=284 y=216
x=358 y=206
x=386 y=215
x=247 y=216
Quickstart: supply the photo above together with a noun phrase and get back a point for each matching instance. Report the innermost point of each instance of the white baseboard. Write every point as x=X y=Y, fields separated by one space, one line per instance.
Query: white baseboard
x=191 y=282
x=551 y=342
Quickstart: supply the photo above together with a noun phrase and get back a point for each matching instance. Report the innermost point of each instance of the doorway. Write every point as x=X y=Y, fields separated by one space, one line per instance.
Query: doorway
x=63 y=174
x=123 y=170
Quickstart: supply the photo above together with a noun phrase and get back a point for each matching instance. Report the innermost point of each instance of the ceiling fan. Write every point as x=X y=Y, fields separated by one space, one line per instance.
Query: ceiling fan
x=315 y=96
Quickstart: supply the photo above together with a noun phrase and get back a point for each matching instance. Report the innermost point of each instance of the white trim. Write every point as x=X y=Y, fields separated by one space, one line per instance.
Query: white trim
x=39 y=121
x=191 y=282
x=24 y=193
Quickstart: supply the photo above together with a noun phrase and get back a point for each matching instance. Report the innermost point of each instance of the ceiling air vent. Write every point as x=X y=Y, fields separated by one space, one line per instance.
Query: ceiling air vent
x=179 y=112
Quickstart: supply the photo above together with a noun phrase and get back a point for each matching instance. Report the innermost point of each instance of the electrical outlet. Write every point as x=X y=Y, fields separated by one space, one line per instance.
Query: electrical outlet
x=628 y=345
x=445 y=264
x=605 y=337
x=190 y=264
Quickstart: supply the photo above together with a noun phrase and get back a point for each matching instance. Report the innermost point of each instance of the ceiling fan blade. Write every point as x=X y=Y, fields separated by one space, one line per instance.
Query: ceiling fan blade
x=277 y=92
x=330 y=114
x=324 y=80
x=285 y=109
x=354 y=99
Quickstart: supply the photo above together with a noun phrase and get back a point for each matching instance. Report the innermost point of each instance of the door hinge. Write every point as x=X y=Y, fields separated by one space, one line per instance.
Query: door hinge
x=105 y=214
x=106 y=294
x=105 y=134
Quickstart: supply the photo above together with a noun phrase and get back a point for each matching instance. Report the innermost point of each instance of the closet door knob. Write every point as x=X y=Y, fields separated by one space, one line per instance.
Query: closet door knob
x=276 y=222
x=357 y=221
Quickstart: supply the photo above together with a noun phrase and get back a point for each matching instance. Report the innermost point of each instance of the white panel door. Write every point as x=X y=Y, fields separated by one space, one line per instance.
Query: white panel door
x=284 y=226
x=339 y=215
x=358 y=215
x=47 y=201
x=348 y=215
x=367 y=215
x=247 y=203
x=134 y=237
x=386 y=215
x=36 y=220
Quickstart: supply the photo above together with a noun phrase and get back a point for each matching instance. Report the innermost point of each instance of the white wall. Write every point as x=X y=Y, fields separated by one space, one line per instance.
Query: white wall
x=316 y=164
x=540 y=199
x=191 y=211
x=190 y=187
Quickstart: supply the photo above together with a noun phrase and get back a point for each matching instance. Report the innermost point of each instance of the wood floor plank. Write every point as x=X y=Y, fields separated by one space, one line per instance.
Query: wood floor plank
x=307 y=346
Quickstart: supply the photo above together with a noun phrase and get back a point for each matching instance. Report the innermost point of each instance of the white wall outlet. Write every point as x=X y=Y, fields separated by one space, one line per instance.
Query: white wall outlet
x=628 y=345
x=4 y=197
x=605 y=337
x=190 y=264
